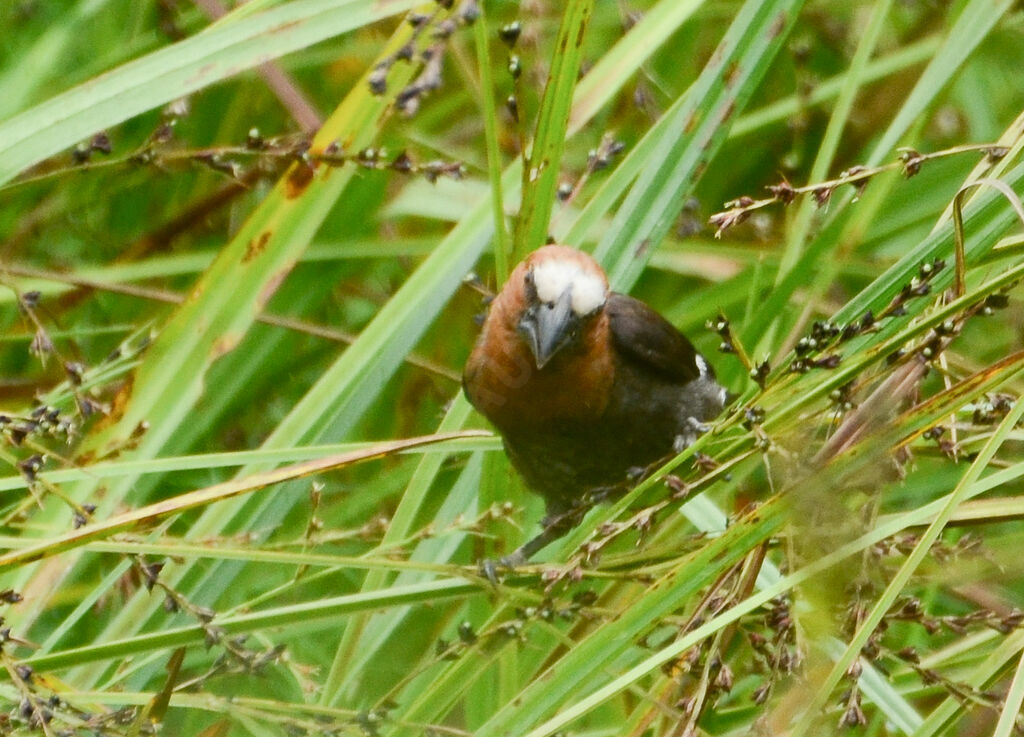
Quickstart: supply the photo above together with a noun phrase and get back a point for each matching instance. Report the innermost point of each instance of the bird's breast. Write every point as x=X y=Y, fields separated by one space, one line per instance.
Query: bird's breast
x=511 y=392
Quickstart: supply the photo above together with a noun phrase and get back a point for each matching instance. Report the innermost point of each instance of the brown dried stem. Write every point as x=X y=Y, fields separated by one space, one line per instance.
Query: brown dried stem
x=909 y=162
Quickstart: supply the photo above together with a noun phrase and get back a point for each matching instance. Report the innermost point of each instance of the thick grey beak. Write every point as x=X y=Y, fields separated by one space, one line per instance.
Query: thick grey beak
x=546 y=327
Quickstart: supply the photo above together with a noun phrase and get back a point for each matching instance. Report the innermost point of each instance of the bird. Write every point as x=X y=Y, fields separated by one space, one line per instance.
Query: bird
x=587 y=387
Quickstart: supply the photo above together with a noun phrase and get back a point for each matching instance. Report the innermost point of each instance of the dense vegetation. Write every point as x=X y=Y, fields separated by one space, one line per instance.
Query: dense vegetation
x=243 y=494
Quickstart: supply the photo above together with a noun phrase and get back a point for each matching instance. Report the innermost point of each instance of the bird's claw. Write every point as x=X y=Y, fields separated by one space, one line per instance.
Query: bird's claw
x=694 y=429
x=699 y=427
x=555 y=525
x=489 y=566
x=635 y=474
x=489 y=569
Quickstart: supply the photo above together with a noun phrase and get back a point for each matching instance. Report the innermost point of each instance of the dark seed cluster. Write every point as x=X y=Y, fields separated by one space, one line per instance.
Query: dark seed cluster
x=42 y=423
x=826 y=334
x=909 y=162
x=439 y=26
x=467 y=639
x=269 y=156
x=402 y=163
x=722 y=326
x=991 y=408
x=99 y=143
x=597 y=159
x=731 y=344
x=919 y=286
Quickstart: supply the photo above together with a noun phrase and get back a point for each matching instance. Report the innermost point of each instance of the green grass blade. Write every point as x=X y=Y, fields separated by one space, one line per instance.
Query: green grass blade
x=822 y=691
x=685 y=140
x=540 y=175
x=308 y=616
x=176 y=71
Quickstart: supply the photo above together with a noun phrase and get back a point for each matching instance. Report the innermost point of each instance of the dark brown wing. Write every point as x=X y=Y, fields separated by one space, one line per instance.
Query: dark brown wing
x=647 y=338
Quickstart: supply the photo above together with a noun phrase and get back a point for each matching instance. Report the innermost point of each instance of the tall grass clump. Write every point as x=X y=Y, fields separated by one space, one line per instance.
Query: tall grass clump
x=243 y=494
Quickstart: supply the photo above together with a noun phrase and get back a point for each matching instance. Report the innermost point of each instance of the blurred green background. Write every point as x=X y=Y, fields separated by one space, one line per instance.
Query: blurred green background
x=232 y=243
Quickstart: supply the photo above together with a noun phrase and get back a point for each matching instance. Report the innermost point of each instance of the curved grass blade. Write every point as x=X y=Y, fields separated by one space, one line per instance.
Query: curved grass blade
x=143 y=516
x=222 y=51
x=540 y=175
x=677 y=150
x=223 y=305
x=308 y=616
x=822 y=691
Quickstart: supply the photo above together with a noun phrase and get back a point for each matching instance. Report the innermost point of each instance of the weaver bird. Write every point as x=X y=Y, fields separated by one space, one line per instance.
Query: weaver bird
x=587 y=387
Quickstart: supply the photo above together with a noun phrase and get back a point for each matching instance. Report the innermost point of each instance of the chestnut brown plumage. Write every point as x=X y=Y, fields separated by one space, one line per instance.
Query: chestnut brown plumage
x=587 y=387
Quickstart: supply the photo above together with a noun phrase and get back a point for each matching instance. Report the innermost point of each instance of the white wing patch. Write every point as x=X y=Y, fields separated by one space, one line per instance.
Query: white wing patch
x=553 y=277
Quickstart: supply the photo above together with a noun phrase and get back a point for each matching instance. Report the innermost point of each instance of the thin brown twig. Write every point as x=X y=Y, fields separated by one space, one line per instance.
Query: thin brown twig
x=169 y=297
x=909 y=161
x=288 y=93
x=873 y=410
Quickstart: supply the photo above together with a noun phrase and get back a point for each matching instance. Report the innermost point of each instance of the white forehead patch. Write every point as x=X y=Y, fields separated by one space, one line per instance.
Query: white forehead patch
x=553 y=277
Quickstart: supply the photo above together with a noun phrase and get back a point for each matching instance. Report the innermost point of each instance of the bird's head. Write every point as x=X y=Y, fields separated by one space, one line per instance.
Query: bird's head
x=562 y=292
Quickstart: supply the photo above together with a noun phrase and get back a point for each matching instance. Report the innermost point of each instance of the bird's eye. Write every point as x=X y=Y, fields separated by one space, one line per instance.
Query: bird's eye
x=550 y=305
x=529 y=277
